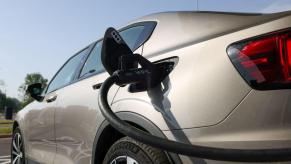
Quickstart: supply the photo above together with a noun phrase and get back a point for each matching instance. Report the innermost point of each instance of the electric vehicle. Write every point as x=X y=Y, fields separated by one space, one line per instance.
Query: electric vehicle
x=227 y=86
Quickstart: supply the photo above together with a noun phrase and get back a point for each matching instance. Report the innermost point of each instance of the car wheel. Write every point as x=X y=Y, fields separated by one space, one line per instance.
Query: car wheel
x=17 y=148
x=129 y=151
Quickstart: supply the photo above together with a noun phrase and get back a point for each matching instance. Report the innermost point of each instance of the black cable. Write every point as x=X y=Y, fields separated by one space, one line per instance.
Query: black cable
x=238 y=155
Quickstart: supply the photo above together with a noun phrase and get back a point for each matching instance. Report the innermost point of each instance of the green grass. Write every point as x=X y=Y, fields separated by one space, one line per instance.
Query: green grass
x=6 y=121
x=5 y=131
x=5 y=127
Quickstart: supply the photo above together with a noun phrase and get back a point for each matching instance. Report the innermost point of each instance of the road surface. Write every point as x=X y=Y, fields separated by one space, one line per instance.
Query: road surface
x=5 y=150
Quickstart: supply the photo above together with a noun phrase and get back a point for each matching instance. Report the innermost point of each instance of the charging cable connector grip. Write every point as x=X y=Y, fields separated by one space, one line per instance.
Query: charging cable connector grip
x=138 y=75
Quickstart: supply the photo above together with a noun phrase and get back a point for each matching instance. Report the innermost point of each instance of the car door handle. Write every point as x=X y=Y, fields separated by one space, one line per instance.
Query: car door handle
x=97 y=86
x=52 y=98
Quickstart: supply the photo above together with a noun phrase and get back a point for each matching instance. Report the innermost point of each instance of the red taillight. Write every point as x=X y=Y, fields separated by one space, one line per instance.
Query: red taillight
x=288 y=44
x=265 y=61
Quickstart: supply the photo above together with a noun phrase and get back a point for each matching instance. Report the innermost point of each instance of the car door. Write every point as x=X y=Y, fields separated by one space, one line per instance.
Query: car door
x=41 y=145
x=78 y=115
x=42 y=134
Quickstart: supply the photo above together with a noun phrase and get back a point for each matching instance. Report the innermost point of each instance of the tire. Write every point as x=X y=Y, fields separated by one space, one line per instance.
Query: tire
x=17 y=148
x=129 y=151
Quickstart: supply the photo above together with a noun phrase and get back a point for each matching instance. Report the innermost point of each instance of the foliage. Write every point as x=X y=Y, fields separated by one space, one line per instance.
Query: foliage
x=6 y=130
x=13 y=103
x=2 y=101
x=8 y=102
x=5 y=127
x=31 y=78
x=5 y=122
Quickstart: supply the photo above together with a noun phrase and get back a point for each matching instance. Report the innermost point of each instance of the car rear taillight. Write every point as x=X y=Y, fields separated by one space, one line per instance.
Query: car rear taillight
x=264 y=61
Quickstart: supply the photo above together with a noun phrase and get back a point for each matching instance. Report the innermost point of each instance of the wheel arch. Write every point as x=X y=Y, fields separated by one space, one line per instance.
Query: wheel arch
x=107 y=135
x=15 y=125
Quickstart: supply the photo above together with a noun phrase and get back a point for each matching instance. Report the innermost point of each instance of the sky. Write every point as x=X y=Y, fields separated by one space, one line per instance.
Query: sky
x=40 y=35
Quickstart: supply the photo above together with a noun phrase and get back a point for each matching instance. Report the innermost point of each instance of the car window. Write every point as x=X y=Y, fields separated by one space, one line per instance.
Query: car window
x=94 y=65
x=131 y=35
x=67 y=73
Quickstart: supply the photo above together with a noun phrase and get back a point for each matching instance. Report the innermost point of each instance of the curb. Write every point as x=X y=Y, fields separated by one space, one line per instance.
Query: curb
x=6 y=136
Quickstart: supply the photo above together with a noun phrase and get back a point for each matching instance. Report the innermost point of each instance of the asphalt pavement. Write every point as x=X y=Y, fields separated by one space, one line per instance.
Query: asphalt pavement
x=5 y=150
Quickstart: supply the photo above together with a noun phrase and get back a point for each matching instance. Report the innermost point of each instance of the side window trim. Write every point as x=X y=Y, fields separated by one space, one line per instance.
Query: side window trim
x=82 y=63
x=78 y=78
x=146 y=34
x=74 y=79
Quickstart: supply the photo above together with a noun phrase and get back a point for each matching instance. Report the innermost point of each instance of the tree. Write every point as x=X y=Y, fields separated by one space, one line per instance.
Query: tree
x=2 y=95
x=13 y=103
x=2 y=101
x=31 y=78
x=6 y=101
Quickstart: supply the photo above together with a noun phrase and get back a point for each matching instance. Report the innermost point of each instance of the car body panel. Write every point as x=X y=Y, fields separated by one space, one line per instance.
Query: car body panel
x=204 y=100
x=262 y=120
x=199 y=72
x=77 y=118
x=204 y=73
x=194 y=27
x=37 y=125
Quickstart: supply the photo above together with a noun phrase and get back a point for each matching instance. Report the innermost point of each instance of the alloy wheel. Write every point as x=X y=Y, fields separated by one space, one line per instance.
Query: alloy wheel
x=17 y=149
x=123 y=160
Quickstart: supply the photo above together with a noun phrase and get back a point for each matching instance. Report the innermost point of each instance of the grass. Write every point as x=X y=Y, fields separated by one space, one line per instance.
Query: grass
x=6 y=121
x=5 y=131
x=5 y=127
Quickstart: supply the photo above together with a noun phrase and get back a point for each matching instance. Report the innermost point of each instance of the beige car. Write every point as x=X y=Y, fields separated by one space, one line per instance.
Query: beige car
x=230 y=88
